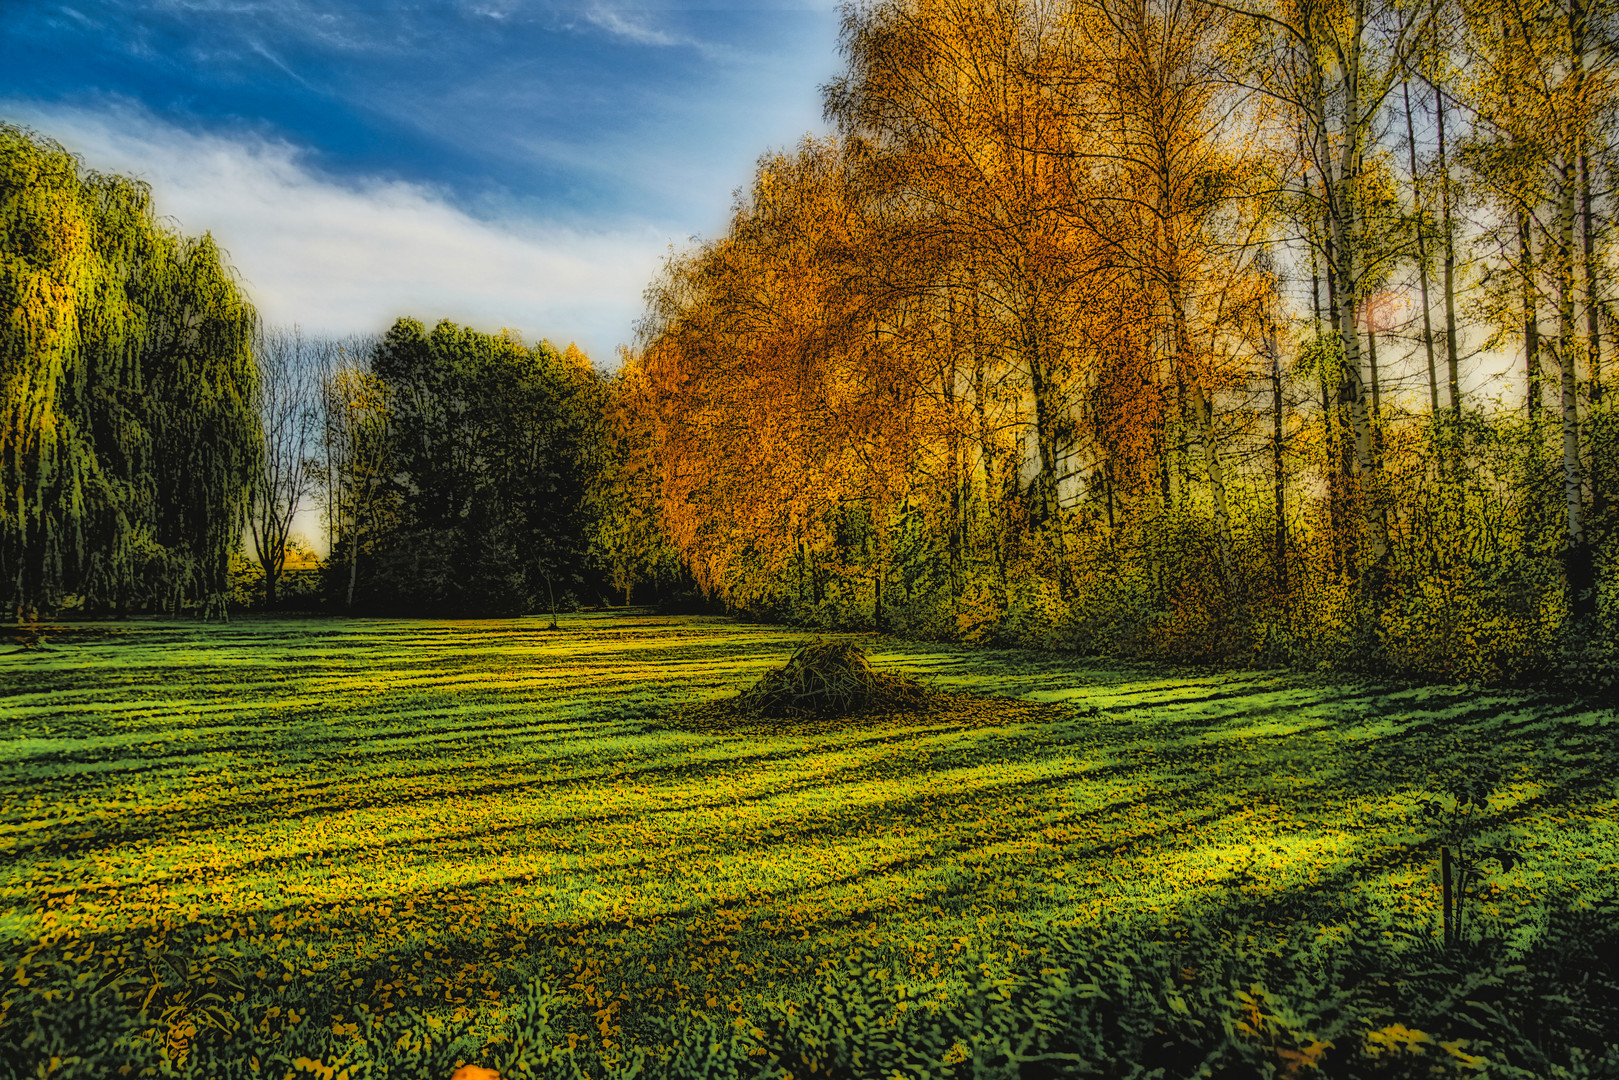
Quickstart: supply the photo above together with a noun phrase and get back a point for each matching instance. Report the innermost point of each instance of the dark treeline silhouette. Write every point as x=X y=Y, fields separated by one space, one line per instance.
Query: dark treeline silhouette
x=465 y=473
x=479 y=496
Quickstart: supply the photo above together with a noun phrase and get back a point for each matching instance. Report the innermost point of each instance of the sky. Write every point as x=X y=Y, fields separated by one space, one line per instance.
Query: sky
x=521 y=164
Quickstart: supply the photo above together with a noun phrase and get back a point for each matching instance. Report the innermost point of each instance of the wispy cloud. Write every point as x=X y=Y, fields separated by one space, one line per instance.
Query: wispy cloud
x=635 y=28
x=343 y=257
x=626 y=26
x=264 y=51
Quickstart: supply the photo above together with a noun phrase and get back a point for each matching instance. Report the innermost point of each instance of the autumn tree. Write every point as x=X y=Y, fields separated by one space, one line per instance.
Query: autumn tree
x=1545 y=110
x=630 y=542
x=1179 y=148
x=1024 y=351
x=1333 y=64
x=951 y=105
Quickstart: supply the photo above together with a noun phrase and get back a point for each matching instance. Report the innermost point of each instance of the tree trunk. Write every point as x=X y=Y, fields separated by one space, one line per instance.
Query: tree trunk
x=1277 y=475
x=1044 y=486
x=1334 y=528
x=1577 y=555
x=1422 y=258
x=877 y=597
x=1593 y=300
x=1355 y=394
x=1203 y=415
x=1371 y=360
x=1343 y=217
x=1203 y=409
x=1338 y=183
x=1531 y=319
x=1580 y=571
x=354 y=565
x=1452 y=359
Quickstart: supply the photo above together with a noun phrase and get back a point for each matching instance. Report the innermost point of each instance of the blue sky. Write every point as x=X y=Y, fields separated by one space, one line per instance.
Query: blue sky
x=507 y=163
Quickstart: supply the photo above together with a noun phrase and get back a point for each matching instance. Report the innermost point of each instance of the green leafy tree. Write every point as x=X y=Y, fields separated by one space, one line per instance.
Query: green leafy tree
x=492 y=453
x=127 y=433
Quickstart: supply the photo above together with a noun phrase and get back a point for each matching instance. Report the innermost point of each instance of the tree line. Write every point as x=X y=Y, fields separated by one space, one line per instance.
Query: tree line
x=1163 y=327
x=1170 y=328
x=153 y=434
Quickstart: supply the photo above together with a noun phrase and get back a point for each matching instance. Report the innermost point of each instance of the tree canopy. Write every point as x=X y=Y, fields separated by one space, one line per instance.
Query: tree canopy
x=489 y=452
x=128 y=437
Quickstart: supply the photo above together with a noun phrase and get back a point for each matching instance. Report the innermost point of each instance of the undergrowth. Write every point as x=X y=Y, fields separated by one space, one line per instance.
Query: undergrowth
x=1193 y=999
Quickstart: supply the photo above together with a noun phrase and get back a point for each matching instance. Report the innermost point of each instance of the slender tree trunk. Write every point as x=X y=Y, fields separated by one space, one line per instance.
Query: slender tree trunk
x=877 y=597
x=1343 y=214
x=1203 y=414
x=1368 y=466
x=1593 y=299
x=1452 y=360
x=1332 y=394
x=1531 y=319
x=1452 y=452
x=1446 y=899
x=1598 y=477
x=1422 y=257
x=1371 y=359
x=1045 y=422
x=354 y=566
x=1279 y=488
x=1581 y=576
x=1326 y=399
x=1454 y=448
x=1203 y=408
x=1577 y=555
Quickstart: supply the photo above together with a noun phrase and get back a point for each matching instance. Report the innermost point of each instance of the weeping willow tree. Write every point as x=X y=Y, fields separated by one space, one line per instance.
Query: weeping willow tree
x=127 y=433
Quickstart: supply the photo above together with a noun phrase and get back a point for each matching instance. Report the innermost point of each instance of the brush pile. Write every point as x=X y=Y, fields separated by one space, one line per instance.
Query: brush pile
x=825 y=679
x=829 y=686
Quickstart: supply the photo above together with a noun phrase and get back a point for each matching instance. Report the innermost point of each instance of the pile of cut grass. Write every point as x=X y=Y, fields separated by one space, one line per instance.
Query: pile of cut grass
x=824 y=679
x=827 y=686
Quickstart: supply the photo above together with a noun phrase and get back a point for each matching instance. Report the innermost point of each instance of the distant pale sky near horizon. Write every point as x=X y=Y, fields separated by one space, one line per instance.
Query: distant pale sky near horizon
x=502 y=163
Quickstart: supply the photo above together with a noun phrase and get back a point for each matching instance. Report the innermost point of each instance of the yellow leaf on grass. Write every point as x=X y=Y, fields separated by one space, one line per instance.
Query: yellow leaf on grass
x=1396 y=1039
x=1454 y=1049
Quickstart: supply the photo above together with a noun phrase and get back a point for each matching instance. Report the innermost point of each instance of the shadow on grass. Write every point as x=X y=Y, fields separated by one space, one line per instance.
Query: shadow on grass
x=1113 y=791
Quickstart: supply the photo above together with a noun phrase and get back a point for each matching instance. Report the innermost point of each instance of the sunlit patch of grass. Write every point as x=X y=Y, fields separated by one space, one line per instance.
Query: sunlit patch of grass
x=429 y=814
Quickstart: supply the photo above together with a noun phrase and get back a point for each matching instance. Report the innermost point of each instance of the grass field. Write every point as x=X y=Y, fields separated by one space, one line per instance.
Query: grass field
x=383 y=815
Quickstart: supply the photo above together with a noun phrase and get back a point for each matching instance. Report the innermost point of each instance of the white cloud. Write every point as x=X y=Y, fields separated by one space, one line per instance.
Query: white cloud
x=624 y=25
x=632 y=27
x=344 y=258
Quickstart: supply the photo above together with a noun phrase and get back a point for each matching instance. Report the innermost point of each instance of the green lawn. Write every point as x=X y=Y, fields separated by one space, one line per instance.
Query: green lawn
x=433 y=815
